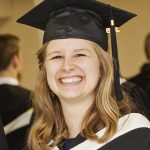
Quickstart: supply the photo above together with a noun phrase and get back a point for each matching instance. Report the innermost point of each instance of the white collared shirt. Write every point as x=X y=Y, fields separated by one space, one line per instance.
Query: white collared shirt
x=8 y=80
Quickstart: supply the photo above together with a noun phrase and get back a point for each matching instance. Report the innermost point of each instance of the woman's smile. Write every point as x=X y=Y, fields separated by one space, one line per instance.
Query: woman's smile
x=74 y=80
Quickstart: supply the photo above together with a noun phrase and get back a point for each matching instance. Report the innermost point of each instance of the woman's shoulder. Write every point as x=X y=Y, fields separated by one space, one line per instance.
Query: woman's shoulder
x=132 y=130
x=128 y=123
x=133 y=121
x=133 y=133
x=138 y=139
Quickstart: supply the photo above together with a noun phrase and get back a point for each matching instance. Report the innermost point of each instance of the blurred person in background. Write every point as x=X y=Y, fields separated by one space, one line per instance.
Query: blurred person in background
x=3 y=143
x=14 y=100
x=143 y=78
x=137 y=95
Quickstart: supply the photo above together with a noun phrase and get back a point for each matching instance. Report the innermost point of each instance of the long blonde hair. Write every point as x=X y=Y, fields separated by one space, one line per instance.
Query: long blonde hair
x=49 y=123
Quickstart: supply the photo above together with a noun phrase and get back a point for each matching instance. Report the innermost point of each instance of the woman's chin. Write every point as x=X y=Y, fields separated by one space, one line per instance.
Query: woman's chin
x=72 y=97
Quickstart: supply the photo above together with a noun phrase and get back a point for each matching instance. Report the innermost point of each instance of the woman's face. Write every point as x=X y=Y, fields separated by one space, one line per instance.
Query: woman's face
x=72 y=68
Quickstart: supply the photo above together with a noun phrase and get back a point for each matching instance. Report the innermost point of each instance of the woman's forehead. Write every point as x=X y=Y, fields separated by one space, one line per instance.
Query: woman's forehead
x=70 y=43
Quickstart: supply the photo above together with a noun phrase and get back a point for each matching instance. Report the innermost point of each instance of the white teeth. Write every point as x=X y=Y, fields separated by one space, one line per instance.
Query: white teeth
x=71 y=80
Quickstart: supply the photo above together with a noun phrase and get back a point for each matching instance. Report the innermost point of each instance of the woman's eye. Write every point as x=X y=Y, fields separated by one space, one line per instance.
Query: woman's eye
x=80 y=55
x=57 y=57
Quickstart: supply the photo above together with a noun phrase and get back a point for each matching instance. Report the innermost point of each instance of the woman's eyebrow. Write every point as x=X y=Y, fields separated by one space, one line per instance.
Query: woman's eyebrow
x=59 y=52
x=53 y=52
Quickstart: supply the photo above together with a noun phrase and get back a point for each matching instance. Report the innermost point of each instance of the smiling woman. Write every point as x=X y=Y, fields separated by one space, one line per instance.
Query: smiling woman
x=73 y=91
x=79 y=103
x=67 y=69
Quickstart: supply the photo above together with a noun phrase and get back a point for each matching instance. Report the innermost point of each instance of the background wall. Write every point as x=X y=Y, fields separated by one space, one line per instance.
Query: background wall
x=130 y=39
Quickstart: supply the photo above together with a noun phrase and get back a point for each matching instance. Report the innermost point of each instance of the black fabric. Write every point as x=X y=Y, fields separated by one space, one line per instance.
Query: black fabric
x=61 y=19
x=72 y=22
x=138 y=139
x=14 y=100
x=3 y=143
x=39 y=16
x=67 y=144
x=138 y=96
x=143 y=80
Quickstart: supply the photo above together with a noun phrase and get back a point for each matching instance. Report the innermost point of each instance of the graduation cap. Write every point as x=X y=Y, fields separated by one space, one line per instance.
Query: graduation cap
x=84 y=19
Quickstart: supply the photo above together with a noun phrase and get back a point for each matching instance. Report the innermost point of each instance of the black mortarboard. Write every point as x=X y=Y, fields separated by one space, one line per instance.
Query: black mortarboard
x=85 y=19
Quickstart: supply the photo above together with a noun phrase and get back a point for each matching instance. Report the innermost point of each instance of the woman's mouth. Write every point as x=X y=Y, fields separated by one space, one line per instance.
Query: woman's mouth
x=71 y=80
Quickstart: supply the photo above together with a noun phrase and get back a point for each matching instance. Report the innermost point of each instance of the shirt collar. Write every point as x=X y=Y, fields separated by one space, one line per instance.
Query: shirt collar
x=8 y=80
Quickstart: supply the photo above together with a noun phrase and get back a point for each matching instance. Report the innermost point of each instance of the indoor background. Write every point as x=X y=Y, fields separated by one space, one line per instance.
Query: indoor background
x=130 y=39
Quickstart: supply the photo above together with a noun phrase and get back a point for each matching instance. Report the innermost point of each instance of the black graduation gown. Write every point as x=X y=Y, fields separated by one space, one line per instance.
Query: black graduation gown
x=143 y=80
x=14 y=101
x=3 y=143
x=138 y=96
x=133 y=133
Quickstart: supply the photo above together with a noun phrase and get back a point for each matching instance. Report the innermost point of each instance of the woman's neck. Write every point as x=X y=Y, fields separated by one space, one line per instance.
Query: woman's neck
x=74 y=113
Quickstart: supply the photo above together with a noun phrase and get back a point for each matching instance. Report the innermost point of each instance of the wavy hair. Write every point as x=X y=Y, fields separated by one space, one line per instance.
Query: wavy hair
x=49 y=123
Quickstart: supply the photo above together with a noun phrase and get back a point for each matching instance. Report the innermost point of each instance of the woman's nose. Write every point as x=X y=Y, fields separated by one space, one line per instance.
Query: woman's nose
x=68 y=65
